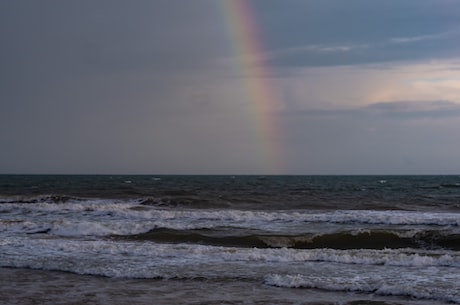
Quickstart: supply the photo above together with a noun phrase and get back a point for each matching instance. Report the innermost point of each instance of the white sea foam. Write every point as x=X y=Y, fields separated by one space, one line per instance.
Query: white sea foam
x=386 y=272
x=416 y=286
x=132 y=210
x=108 y=217
x=16 y=249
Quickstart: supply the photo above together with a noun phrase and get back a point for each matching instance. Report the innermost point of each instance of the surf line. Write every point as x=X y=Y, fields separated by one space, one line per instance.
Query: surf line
x=259 y=84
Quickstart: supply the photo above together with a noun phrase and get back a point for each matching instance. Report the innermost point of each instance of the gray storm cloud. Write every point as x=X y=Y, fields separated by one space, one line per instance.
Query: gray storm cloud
x=155 y=87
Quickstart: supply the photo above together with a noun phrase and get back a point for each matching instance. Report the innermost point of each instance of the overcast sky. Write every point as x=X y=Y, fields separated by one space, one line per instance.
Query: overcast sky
x=156 y=87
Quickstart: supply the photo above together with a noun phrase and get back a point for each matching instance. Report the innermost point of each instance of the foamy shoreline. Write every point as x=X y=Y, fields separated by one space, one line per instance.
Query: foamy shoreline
x=28 y=286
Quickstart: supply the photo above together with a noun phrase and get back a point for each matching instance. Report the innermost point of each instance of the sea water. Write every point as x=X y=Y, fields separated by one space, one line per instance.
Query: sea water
x=230 y=239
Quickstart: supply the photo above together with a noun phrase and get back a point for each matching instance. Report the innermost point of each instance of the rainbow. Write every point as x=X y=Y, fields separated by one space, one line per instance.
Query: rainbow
x=259 y=84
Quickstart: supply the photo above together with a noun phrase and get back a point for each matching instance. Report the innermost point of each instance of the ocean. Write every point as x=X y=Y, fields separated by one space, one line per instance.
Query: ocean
x=165 y=239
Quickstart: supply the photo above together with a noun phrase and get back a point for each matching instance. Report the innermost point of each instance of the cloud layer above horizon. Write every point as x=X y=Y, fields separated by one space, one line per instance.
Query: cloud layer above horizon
x=157 y=87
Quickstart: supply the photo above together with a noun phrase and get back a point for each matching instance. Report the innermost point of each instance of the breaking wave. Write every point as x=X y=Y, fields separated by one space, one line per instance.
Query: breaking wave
x=417 y=288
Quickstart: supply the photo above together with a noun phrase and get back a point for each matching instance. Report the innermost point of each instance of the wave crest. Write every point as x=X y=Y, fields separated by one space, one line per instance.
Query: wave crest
x=368 y=284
